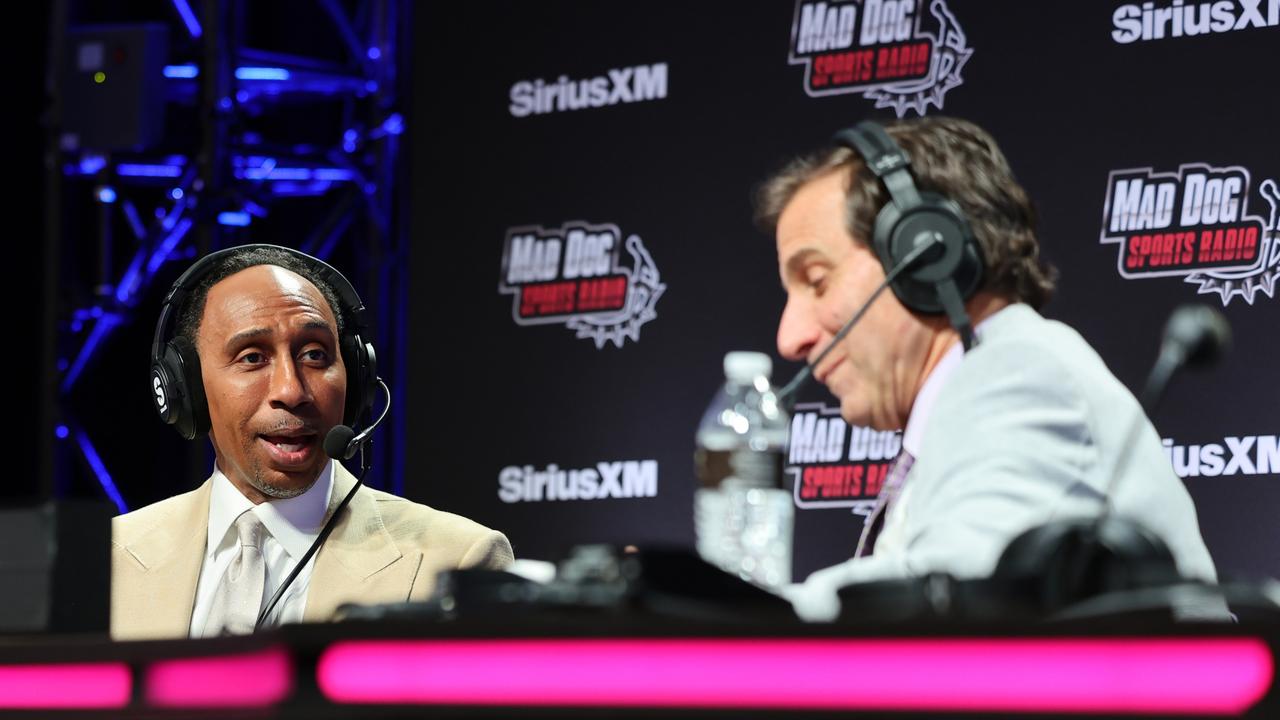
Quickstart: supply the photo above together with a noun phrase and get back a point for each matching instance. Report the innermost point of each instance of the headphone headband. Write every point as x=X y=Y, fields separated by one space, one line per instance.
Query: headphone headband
x=884 y=159
x=940 y=281
x=353 y=309
x=881 y=154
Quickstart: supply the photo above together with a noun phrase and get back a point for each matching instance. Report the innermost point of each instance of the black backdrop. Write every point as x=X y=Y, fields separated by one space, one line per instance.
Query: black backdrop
x=1068 y=103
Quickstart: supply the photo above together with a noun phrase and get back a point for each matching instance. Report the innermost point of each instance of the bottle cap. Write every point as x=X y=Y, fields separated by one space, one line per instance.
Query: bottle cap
x=744 y=367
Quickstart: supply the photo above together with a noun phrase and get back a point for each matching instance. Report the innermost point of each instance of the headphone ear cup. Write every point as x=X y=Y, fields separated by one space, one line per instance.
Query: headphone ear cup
x=882 y=235
x=177 y=378
x=362 y=377
x=960 y=259
x=972 y=265
x=166 y=392
x=972 y=268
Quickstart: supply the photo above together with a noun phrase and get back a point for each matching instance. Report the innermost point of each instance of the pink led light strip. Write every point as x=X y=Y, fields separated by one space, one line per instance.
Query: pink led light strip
x=63 y=687
x=1116 y=675
x=258 y=679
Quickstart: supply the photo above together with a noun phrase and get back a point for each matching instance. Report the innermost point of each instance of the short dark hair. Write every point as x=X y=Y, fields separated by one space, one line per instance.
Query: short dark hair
x=954 y=158
x=192 y=310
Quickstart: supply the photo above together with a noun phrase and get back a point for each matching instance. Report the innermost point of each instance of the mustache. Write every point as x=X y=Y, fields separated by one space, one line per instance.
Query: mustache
x=289 y=425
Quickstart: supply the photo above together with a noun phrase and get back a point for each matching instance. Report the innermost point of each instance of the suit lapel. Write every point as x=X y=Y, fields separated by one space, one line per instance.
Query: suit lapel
x=359 y=562
x=163 y=592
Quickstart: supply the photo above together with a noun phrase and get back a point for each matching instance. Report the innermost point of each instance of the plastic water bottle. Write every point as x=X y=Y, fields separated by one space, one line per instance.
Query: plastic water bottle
x=743 y=515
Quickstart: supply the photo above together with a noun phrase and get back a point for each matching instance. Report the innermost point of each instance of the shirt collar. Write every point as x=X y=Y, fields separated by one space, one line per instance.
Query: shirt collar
x=293 y=522
x=922 y=408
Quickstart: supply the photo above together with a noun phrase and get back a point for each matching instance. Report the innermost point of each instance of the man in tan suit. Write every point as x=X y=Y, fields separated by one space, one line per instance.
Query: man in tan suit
x=266 y=342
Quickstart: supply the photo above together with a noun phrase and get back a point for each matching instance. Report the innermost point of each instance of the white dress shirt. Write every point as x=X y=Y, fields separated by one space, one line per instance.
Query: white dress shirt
x=292 y=525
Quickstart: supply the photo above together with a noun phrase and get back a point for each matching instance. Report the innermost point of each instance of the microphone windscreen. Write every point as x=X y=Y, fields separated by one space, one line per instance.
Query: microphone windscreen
x=335 y=443
x=1201 y=333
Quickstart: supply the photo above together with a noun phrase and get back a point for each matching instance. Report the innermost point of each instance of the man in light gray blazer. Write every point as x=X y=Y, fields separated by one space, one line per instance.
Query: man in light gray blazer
x=1024 y=428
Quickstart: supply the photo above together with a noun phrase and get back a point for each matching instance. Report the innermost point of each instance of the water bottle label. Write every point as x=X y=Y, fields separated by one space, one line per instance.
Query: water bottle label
x=758 y=469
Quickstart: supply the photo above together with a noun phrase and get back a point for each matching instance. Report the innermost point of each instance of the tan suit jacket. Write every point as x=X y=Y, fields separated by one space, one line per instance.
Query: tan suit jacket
x=383 y=549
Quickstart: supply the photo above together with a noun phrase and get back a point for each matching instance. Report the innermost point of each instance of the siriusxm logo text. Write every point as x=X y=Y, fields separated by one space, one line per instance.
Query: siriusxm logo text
x=1248 y=455
x=607 y=480
x=621 y=85
x=1134 y=23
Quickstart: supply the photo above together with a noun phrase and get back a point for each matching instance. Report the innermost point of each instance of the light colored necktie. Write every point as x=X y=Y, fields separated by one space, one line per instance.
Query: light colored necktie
x=239 y=596
x=888 y=493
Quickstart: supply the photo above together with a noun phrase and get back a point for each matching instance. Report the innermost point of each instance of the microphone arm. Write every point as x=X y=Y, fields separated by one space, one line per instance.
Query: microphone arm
x=341 y=443
x=1196 y=335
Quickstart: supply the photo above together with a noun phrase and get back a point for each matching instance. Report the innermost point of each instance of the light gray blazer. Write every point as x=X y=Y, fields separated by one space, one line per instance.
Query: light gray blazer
x=1029 y=428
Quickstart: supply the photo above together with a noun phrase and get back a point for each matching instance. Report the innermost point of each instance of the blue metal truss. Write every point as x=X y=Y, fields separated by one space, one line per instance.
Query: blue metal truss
x=257 y=182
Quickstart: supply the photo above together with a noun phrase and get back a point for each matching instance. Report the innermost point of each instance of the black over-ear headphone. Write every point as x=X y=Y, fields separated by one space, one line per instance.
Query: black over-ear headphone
x=943 y=279
x=176 y=384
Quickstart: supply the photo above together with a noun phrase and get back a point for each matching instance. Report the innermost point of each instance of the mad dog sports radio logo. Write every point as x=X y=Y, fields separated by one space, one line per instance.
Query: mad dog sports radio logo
x=574 y=276
x=889 y=51
x=834 y=464
x=1194 y=224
